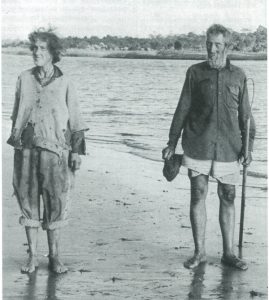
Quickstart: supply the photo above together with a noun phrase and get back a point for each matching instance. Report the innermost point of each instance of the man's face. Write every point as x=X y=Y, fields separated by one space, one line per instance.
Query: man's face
x=41 y=54
x=216 y=50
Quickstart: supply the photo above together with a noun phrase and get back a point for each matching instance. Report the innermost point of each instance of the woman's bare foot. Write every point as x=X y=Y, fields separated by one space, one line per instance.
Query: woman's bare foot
x=31 y=264
x=195 y=260
x=56 y=266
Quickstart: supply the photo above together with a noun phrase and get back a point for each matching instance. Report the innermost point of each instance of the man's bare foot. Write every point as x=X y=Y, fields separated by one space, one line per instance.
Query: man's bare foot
x=235 y=262
x=56 y=266
x=30 y=265
x=195 y=260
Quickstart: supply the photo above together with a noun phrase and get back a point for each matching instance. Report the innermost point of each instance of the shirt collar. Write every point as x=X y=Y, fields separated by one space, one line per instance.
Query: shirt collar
x=229 y=66
x=56 y=74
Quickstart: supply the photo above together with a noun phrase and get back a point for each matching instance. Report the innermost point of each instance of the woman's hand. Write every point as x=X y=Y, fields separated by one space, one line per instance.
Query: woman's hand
x=75 y=162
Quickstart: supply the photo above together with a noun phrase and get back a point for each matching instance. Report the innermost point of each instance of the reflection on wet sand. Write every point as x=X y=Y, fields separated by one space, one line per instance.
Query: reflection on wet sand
x=35 y=285
x=216 y=281
x=30 y=292
x=230 y=286
x=225 y=289
x=52 y=282
x=197 y=286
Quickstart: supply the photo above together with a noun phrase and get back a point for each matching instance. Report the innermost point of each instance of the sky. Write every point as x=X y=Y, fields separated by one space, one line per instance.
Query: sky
x=137 y=18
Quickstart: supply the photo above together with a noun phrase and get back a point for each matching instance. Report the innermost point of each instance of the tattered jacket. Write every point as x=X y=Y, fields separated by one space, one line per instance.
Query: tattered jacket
x=52 y=111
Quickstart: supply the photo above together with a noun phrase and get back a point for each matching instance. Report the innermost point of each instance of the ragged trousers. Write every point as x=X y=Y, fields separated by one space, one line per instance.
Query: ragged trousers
x=41 y=174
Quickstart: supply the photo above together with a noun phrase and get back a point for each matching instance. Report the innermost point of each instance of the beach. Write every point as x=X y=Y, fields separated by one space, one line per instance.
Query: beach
x=129 y=235
x=129 y=231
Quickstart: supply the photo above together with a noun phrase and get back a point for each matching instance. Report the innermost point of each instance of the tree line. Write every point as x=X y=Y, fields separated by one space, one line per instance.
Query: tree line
x=244 y=41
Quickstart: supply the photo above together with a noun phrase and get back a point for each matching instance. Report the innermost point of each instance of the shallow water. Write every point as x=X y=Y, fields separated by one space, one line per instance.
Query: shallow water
x=129 y=104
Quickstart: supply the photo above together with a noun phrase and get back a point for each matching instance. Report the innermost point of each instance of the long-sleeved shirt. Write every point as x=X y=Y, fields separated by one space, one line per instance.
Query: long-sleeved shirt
x=47 y=116
x=213 y=112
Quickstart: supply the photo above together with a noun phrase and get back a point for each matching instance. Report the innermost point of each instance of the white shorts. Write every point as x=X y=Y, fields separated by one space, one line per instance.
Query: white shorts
x=225 y=172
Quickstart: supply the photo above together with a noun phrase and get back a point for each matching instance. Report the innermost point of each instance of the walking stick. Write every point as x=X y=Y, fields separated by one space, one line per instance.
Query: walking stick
x=245 y=173
x=244 y=183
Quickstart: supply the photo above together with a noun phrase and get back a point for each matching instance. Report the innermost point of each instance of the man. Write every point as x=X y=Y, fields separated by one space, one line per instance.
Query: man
x=212 y=112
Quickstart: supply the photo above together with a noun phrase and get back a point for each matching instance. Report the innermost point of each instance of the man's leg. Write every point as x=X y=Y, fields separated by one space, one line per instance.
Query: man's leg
x=199 y=188
x=32 y=263
x=55 y=263
x=226 y=194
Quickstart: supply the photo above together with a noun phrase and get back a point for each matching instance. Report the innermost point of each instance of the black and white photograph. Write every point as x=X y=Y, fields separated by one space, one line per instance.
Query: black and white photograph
x=134 y=149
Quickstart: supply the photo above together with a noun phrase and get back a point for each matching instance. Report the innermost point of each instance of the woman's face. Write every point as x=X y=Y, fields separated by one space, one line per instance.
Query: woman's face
x=41 y=54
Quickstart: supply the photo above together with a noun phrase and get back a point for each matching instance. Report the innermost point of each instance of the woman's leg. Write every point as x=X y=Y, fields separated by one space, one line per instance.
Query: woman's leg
x=56 y=185
x=32 y=263
x=55 y=263
x=26 y=189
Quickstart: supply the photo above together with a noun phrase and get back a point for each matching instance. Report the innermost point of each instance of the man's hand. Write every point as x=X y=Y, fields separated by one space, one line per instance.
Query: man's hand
x=168 y=152
x=246 y=160
x=75 y=162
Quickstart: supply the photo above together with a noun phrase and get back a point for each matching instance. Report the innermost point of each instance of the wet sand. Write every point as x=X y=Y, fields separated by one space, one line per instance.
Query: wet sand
x=129 y=235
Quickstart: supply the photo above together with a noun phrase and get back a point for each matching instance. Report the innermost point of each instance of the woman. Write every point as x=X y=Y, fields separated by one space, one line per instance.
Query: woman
x=48 y=136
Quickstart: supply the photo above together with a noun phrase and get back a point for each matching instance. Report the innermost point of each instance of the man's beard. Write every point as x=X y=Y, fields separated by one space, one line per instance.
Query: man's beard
x=218 y=61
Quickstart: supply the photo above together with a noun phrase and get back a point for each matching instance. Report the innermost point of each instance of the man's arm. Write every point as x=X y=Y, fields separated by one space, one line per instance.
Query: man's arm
x=245 y=114
x=180 y=116
x=182 y=111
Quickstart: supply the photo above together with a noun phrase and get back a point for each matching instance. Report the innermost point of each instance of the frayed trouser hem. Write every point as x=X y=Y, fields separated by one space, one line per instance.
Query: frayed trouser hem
x=54 y=225
x=45 y=226
x=29 y=222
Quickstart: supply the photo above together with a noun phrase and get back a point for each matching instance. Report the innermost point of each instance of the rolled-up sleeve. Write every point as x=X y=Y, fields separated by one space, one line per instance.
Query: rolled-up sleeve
x=78 y=143
x=75 y=119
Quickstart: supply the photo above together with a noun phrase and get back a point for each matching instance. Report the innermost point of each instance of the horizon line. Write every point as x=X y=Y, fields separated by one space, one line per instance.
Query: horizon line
x=55 y=30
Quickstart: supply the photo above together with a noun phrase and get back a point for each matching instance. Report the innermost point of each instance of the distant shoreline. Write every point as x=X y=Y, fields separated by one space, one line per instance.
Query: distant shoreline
x=185 y=56
x=165 y=54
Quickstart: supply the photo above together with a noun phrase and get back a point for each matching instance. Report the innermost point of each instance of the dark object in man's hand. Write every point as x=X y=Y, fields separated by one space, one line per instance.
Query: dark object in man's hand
x=172 y=166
